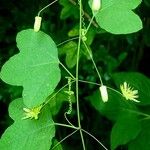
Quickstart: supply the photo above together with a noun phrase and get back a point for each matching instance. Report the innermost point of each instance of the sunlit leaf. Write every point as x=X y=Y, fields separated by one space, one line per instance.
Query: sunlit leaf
x=35 y=67
x=28 y=134
x=117 y=17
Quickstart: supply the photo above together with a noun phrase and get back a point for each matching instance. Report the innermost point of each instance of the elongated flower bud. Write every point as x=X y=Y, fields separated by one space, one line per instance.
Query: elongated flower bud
x=37 y=23
x=96 y=5
x=104 y=93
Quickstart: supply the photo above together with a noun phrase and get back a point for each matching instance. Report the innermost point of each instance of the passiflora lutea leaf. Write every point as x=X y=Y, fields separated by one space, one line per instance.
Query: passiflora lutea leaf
x=126 y=128
x=28 y=134
x=127 y=124
x=35 y=67
x=117 y=17
x=138 y=82
x=142 y=140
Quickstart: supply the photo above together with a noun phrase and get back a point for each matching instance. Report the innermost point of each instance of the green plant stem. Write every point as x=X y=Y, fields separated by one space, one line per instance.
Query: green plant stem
x=94 y=138
x=85 y=13
x=46 y=7
x=67 y=70
x=65 y=125
x=132 y=111
x=74 y=38
x=115 y=91
x=68 y=120
x=89 y=82
x=77 y=74
x=55 y=94
x=101 y=82
x=65 y=138
x=137 y=112
x=87 y=29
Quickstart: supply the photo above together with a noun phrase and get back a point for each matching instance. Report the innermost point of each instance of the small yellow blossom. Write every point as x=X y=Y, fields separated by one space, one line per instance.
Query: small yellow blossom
x=128 y=92
x=32 y=113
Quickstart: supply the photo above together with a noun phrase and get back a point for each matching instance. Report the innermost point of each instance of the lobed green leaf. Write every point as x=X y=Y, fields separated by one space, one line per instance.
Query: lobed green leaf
x=125 y=129
x=28 y=134
x=114 y=107
x=117 y=17
x=138 y=82
x=35 y=67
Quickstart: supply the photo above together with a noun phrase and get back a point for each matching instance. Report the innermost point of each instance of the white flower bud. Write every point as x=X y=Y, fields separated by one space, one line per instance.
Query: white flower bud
x=96 y=5
x=37 y=23
x=104 y=93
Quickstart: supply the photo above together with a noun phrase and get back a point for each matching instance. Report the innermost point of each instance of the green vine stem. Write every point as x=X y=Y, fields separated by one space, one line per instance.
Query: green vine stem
x=74 y=38
x=87 y=29
x=87 y=16
x=94 y=138
x=55 y=94
x=89 y=82
x=65 y=138
x=65 y=125
x=77 y=74
x=65 y=115
x=46 y=7
x=67 y=70
x=93 y=62
x=75 y=79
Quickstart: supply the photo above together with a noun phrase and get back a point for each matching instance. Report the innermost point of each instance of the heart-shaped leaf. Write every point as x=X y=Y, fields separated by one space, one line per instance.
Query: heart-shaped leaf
x=142 y=140
x=35 y=67
x=117 y=17
x=28 y=134
x=138 y=82
x=114 y=107
x=125 y=129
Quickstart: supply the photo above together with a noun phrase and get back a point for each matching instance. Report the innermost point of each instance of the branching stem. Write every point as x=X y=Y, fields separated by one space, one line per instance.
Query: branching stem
x=68 y=120
x=77 y=74
x=87 y=29
x=93 y=62
x=55 y=94
x=94 y=138
x=65 y=125
x=64 y=139
x=67 y=70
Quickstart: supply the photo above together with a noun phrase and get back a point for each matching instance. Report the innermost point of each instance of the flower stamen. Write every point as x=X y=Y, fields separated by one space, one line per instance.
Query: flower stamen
x=32 y=113
x=128 y=92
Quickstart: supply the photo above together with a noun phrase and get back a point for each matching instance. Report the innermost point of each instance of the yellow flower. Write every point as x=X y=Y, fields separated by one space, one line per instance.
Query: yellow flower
x=128 y=92
x=32 y=113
